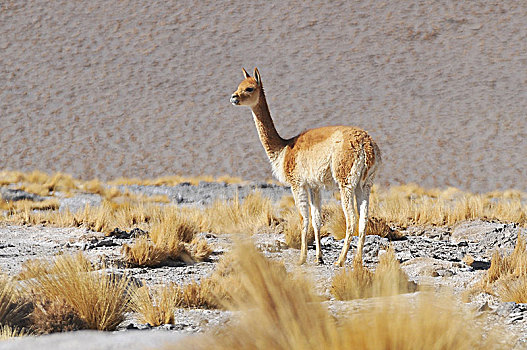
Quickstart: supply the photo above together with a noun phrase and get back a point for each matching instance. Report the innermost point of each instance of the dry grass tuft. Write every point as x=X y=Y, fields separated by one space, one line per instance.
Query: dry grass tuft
x=144 y=253
x=7 y=332
x=14 y=308
x=336 y=225
x=251 y=215
x=175 y=180
x=155 y=306
x=27 y=205
x=103 y=218
x=281 y=313
x=203 y=295
x=354 y=283
x=171 y=228
x=172 y=237
x=413 y=205
x=507 y=276
x=97 y=297
x=39 y=182
x=55 y=316
x=359 y=282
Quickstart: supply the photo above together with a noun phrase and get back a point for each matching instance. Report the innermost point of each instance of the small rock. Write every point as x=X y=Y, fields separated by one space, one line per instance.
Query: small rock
x=485 y=307
x=12 y=195
x=445 y=273
x=404 y=256
x=504 y=309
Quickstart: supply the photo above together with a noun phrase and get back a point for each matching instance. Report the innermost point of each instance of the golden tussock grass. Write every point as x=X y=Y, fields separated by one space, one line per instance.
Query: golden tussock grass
x=175 y=180
x=280 y=313
x=172 y=236
x=99 y=298
x=203 y=295
x=14 y=307
x=253 y=214
x=359 y=282
x=336 y=224
x=143 y=252
x=413 y=205
x=103 y=218
x=52 y=316
x=7 y=332
x=507 y=275
x=155 y=305
x=39 y=182
x=28 y=205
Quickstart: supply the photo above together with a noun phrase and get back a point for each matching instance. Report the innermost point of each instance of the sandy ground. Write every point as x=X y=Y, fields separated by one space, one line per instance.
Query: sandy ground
x=141 y=88
x=431 y=256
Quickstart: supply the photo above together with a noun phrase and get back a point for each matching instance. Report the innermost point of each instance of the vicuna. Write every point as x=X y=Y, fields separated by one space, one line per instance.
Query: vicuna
x=323 y=157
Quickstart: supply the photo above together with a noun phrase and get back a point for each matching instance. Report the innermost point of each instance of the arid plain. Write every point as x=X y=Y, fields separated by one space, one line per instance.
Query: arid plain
x=141 y=89
x=136 y=93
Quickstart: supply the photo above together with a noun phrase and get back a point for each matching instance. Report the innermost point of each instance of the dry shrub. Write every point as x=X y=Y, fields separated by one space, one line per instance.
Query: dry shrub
x=144 y=253
x=280 y=313
x=201 y=295
x=33 y=268
x=410 y=205
x=336 y=225
x=155 y=306
x=359 y=282
x=507 y=275
x=251 y=215
x=172 y=237
x=175 y=180
x=7 y=332
x=102 y=218
x=355 y=283
x=40 y=183
x=52 y=316
x=172 y=228
x=97 y=297
x=14 y=307
x=97 y=187
x=28 y=205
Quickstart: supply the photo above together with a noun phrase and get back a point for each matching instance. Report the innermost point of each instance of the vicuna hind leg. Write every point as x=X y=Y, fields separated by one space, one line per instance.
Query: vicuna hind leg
x=316 y=220
x=301 y=201
x=362 y=196
x=348 y=206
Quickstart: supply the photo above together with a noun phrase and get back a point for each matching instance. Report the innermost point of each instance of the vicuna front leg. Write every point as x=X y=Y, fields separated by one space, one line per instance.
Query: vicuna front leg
x=301 y=201
x=346 y=197
x=316 y=220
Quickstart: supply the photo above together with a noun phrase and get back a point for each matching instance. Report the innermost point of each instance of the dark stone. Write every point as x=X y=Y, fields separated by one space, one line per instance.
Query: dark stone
x=11 y=195
x=122 y=234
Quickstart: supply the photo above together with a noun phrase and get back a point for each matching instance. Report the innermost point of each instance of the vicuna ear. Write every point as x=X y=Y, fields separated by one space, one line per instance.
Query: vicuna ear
x=257 y=76
x=245 y=74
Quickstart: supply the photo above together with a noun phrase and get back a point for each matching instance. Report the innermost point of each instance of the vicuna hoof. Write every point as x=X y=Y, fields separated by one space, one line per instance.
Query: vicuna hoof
x=339 y=263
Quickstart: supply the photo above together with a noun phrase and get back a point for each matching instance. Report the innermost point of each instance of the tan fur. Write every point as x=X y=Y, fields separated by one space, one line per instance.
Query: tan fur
x=324 y=157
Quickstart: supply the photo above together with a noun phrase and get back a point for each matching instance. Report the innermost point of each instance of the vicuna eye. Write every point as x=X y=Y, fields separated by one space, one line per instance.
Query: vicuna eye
x=249 y=89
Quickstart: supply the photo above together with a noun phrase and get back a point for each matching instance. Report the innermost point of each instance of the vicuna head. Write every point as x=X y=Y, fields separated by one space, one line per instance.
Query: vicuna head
x=248 y=92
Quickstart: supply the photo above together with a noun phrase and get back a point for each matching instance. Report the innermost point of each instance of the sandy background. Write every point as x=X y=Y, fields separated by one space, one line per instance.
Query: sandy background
x=141 y=88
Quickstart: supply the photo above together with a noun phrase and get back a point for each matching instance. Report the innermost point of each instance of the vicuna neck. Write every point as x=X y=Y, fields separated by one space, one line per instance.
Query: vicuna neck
x=271 y=140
